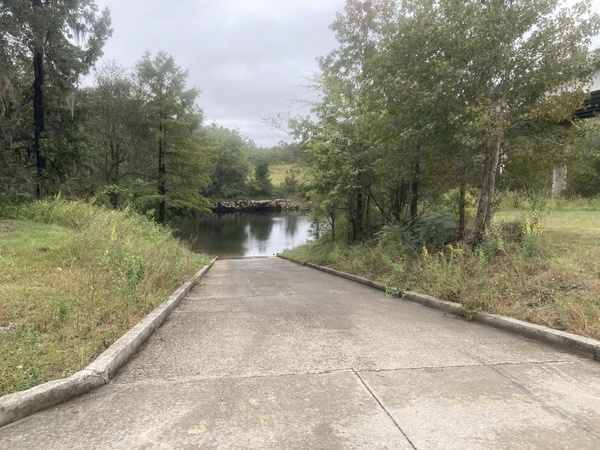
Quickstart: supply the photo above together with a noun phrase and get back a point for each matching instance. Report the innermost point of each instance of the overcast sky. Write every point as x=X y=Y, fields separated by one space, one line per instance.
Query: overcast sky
x=249 y=58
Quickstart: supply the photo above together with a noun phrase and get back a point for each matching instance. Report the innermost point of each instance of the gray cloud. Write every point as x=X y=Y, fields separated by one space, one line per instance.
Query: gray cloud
x=249 y=59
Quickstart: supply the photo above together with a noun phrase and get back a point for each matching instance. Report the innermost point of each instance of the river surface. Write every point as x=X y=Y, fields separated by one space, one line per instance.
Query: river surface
x=244 y=233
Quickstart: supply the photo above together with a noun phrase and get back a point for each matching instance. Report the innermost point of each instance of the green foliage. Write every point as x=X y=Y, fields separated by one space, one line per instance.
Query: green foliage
x=45 y=48
x=532 y=233
x=73 y=278
x=451 y=201
x=318 y=226
x=433 y=228
x=492 y=243
x=283 y=153
x=338 y=147
x=543 y=274
x=174 y=120
x=115 y=122
x=231 y=168
x=261 y=186
x=424 y=98
x=324 y=208
x=291 y=184
x=109 y=145
x=583 y=163
x=530 y=200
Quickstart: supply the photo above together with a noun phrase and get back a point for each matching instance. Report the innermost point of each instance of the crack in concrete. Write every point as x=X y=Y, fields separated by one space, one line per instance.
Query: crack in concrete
x=190 y=379
x=157 y=381
x=461 y=366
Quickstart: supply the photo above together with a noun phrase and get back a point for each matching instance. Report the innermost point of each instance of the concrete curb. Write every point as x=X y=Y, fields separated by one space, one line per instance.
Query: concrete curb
x=573 y=343
x=19 y=405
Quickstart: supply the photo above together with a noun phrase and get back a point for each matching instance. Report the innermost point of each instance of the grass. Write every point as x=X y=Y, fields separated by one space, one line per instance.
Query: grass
x=278 y=173
x=73 y=279
x=549 y=276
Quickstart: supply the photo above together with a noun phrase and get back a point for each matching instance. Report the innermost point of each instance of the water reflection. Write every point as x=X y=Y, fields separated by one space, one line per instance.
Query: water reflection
x=244 y=233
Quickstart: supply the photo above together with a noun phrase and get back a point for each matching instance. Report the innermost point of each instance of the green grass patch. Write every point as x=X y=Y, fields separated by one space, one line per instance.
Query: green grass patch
x=278 y=173
x=547 y=274
x=73 y=279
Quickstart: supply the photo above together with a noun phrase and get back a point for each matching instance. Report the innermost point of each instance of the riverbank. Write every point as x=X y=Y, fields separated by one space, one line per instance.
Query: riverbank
x=73 y=279
x=550 y=276
x=254 y=205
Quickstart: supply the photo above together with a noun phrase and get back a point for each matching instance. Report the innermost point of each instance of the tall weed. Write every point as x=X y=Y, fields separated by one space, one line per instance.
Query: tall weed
x=74 y=278
x=545 y=271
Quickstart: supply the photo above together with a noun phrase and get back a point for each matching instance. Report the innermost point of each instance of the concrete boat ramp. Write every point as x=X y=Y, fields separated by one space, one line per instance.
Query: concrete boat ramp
x=268 y=354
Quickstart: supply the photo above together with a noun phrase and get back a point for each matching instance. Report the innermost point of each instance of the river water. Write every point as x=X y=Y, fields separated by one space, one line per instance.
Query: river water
x=244 y=233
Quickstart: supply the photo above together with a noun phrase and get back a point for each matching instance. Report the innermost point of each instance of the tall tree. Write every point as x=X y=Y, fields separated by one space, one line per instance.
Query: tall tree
x=423 y=96
x=344 y=114
x=8 y=55
x=182 y=160
x=61 y=40
x=515 y=65
x=262 y=178
x=117 y=128
x=232 y=167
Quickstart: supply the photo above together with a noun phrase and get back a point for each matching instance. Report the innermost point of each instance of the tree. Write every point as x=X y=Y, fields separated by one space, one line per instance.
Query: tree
x=517 y=65
x=9 y=71
x=9 y=51
x=231 y=167
x=340 y=144
x=426 y=96
x=182 y=161
x=60 y=40
x=584 y=161
x=116 y=126
x=262 y=179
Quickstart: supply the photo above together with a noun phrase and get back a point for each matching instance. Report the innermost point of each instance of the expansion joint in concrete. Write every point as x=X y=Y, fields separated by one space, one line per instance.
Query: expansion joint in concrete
x=381 y=405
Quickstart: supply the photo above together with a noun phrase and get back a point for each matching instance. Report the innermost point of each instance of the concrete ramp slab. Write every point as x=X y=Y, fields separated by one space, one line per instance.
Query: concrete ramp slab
x=268 y=354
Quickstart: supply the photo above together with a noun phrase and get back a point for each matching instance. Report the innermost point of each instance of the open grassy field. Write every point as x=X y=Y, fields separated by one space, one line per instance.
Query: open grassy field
x=549 y=275
x=278 y=172
x=73 y=279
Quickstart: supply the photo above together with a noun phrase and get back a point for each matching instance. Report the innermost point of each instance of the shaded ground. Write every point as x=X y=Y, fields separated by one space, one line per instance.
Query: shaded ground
x=267 y=354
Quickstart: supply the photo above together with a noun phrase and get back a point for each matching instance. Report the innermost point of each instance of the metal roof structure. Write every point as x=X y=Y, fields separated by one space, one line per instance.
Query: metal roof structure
x=592 y=107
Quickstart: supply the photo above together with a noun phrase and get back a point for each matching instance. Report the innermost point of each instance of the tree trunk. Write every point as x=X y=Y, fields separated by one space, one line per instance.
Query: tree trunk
x=485 y=209
x=414 y=193
x=480 y=218
x=489 y=213
x=462 y=204
x=398 y=201
x=38 y=111
x=162 y=172
x=559 y=181
x=359 y=217
x=332 y=216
